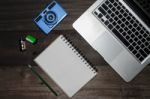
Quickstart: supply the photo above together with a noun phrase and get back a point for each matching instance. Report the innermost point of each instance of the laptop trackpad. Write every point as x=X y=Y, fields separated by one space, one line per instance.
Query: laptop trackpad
x=107 y=46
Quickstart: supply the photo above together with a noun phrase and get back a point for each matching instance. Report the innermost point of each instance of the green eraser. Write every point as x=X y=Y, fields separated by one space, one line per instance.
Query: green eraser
x=31 y=39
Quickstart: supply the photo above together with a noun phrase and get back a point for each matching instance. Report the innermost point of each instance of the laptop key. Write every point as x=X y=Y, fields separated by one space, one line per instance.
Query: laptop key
x=137 y=55
x=102 y=11
x=105 y=7
x=142 y=53
x=120 y=37
x=95 y=13
x=100 y=15
x=147 y=51
x=149 y=47
x=141 y=58
x=106 y=22
x=110 y=26
x=112 y=1
x=131 y=48
x=134 y=52
x=107 y=2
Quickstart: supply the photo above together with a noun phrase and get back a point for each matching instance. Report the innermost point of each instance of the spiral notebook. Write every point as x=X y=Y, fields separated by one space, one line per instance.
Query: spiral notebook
x=65 y=64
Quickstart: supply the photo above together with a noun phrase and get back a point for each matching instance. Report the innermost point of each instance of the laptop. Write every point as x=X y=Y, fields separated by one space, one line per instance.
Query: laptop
x=119 y=30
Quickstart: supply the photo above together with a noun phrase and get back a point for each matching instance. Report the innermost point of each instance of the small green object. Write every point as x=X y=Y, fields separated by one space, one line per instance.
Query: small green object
x=31 y=39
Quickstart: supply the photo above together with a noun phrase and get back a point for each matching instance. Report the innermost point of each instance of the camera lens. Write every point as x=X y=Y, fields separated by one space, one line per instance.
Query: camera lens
x=50 y=17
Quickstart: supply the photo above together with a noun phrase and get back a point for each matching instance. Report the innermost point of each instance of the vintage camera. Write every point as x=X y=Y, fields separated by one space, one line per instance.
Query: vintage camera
x=50 y=17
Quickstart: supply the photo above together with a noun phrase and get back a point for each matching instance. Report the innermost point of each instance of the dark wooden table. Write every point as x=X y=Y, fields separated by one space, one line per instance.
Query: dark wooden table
x=18 y=82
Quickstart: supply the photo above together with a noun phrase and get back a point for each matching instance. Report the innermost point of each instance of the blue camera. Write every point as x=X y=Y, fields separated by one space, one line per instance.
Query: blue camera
x=51 y=16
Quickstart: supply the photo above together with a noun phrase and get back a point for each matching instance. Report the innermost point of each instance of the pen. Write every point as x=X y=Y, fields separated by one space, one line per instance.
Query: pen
x=50 y=88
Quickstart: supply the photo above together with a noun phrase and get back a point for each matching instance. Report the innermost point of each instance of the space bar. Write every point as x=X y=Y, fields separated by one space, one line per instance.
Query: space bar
x=120 y=37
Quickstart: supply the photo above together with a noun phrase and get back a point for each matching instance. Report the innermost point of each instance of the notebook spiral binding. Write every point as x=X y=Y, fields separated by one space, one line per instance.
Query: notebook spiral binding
x=78 y=52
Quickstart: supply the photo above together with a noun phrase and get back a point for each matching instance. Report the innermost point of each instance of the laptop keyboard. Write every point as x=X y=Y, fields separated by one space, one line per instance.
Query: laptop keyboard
x=125 y=27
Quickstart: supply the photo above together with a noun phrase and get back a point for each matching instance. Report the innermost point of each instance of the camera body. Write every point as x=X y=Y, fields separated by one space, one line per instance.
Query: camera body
x=51 y=16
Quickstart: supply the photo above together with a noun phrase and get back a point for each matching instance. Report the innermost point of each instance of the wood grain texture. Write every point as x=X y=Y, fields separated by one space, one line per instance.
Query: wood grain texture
x=20 y=13
x=18 y=82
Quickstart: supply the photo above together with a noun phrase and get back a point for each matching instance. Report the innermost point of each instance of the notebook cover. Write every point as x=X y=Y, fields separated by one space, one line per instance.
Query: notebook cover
x=64 y=65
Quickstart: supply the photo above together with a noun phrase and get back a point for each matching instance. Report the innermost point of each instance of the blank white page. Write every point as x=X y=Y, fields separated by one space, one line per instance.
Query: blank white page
x=65 y=67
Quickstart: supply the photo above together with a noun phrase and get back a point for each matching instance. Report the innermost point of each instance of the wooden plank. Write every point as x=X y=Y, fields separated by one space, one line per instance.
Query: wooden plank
x=10 y=52
x=18 y=15
x=20 y=82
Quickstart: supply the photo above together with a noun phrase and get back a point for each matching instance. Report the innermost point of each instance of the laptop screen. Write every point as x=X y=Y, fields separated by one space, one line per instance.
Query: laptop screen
x=141 y=8
x=144 y=5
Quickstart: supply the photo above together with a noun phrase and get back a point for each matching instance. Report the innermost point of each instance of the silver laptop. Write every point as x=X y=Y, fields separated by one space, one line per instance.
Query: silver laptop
x=119 y=30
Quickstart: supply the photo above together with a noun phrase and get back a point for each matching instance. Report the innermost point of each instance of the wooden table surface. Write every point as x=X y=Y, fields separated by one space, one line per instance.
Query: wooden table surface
x=18 y=82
